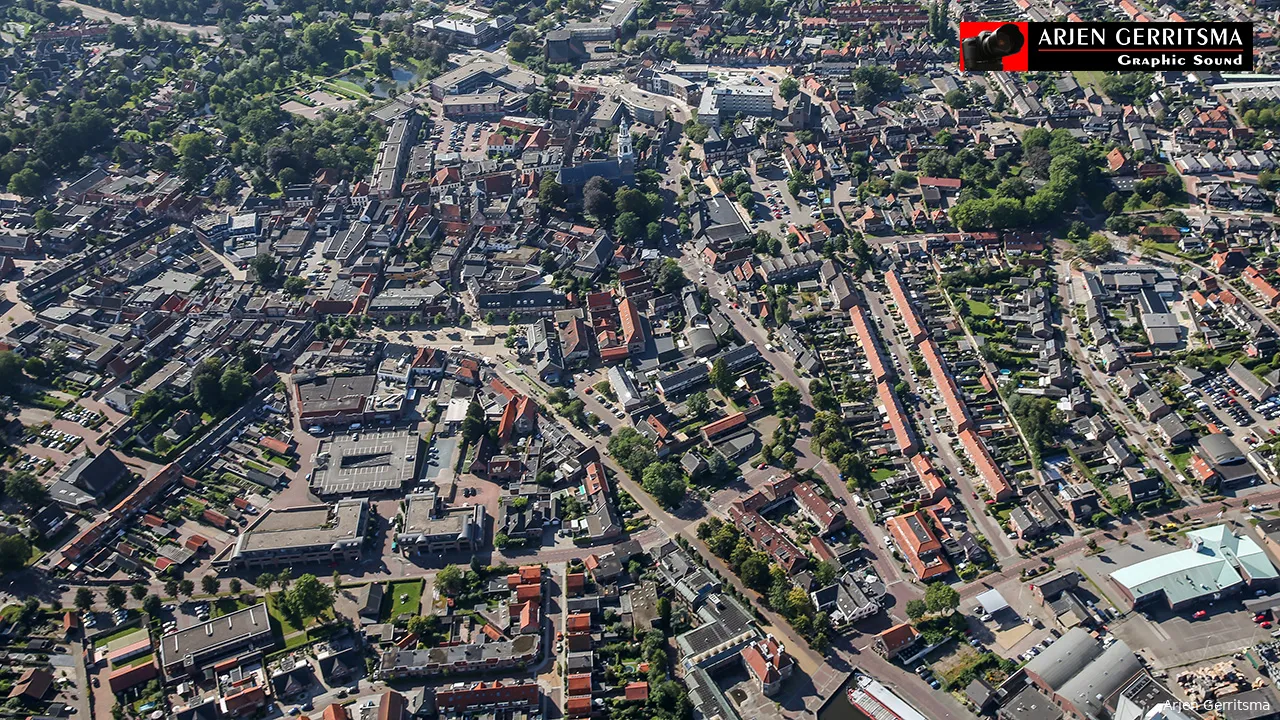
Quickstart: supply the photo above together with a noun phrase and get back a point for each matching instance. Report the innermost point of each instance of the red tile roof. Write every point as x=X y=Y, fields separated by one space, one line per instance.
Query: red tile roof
x=902 y=432
x=994 y=480
x=336 y=712
x=715 y=429
x=633 y=334
x=918 y=544
x=579 y=684
x=766 y=660
x=909 y=317
x=867 y=340
x=578 y=623
x=896 y=638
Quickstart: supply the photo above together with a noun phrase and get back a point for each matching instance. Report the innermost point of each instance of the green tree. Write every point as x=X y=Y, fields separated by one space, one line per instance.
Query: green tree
x=264 y=581
x=941 y=597
x=234 y=387
x=26 y=182
x=25 y=488
x=138 y=591
x=115 y=597
x=755 y=572
x=1096 y=248
x=665 y=482
x=1113 y=203
x=44 y=220
x=720 y=377
x=824 y=573
x=119 y=36
x=698 y=404
x=916 y=609
x=628 y=227
x=15 y=551
x=36 y=367
x=670 y=277
x=296 y=285
x=162 y=445
x=308 y=597
x=474 y=424
x=633 y=451
x=521 y=44
x=788 y=88
x=235 y=586
x=171 y=587
x=449 y=580
x=11 y=377
x=597 y=199
x=84 y=599
x=551 y=194
x=152 y=605
x=786 y=398
x=265 y=268
x=209 y=584
x=186 y=587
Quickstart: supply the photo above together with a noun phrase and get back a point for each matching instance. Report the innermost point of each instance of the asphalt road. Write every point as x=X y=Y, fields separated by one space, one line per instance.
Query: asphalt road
x=1137 y=430
x=211 y=32
x=891 y=336
x=847 y=652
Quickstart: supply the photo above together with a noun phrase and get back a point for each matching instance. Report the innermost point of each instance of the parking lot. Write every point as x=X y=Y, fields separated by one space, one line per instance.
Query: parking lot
x=469 y=139
x=1184 y=640
x=1221 y=396
x=440 y=456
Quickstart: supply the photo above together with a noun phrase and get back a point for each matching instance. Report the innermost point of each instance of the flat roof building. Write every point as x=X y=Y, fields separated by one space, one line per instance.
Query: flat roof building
x=430 y=527
x=302 y=535
x=365 y=462
x=189 y=651
x=1218 y=562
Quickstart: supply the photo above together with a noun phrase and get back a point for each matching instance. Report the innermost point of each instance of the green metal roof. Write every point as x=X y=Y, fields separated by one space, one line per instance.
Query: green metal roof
x=1217 y=561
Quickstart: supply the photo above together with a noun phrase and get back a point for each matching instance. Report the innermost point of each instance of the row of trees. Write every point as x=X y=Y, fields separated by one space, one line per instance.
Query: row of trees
x=757 y=572
x=634 y=214
x=1072 y=168
x=634 y=452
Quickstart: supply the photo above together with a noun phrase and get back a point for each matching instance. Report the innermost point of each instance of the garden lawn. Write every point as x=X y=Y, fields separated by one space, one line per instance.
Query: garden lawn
x=226 y=606
x=980 y=309
x=1180 y=458
x=125 y=632
x=404 y=597
x=882 y=474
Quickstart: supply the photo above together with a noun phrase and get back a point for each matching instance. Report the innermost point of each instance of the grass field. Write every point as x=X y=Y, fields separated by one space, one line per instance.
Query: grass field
x=882 y=474
x=346 y=87
x=1092 y=78
x=226 y=606
x=980 y=309
x=403 y=598
x=108 y=639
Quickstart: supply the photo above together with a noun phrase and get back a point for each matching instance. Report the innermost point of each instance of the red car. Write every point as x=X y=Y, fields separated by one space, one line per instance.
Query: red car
x=1259 y=617
x=1265 y=625
x=1200 y=614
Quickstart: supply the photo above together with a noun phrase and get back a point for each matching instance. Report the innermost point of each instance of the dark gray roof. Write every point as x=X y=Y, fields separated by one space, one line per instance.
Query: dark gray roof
x=1090 y=688
x=1065 y=659
x=1218 y=448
